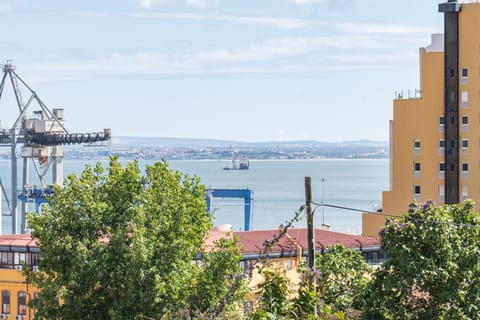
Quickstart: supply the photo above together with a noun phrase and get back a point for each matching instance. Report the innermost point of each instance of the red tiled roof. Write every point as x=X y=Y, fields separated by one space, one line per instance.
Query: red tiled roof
x=252 y=241
x=18 y=240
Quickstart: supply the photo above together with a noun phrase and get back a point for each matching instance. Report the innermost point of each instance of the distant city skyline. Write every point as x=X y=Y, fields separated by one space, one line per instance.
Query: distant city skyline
x=243 y=70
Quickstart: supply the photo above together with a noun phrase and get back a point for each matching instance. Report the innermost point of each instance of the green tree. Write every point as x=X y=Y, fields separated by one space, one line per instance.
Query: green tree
x=119 y=244
x=342 y=278
x=274 y=292
x=433 y=270
x=219 y=282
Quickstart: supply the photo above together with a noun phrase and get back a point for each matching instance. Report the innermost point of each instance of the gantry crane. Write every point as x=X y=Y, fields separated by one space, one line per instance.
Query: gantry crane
x=37 y=135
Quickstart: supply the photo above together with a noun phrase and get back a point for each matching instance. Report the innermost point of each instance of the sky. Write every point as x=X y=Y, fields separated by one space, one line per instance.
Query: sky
x=245 y=70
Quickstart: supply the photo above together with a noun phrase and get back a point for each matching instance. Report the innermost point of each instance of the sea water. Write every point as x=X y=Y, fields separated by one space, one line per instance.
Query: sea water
x=279 y=189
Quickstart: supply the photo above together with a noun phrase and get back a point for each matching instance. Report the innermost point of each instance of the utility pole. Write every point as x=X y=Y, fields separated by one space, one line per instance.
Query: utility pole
x=310 y=229
x=310 y=236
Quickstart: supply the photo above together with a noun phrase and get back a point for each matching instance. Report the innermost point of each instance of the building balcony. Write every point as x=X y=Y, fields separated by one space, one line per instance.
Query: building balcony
x=408 y=94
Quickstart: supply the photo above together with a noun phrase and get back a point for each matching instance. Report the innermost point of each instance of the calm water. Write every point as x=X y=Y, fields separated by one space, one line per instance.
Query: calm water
x=279 y=189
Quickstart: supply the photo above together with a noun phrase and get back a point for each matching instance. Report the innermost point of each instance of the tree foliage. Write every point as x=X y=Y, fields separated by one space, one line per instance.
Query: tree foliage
x=119 y=244
x=343 y=277
x=433 y=270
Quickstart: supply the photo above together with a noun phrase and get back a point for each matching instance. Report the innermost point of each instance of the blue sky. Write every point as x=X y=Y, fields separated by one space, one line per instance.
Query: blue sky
x=247 y=70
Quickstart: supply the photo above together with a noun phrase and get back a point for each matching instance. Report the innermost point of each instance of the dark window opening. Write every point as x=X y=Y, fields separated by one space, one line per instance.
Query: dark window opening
x=464 y=72
x=464 y=166
x=22 y=303
x=441 y=166
x=5 y=302
x=416 y=189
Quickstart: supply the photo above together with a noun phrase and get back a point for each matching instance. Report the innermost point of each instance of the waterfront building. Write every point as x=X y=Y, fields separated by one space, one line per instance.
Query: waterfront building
x=434 y=135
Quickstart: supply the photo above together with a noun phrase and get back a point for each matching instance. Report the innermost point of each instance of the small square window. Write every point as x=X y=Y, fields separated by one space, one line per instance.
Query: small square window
x=464 y=72
x=464 y=143
x=416 y=189
x=441 y=166
x=416 y=144
x=465 y=167
x=464 y=120
x=441 y=120
x=441 y=143
x=416 y=166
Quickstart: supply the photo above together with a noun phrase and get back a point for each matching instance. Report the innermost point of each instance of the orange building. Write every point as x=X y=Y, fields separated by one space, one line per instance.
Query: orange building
x=15 y=292
x=434 y=141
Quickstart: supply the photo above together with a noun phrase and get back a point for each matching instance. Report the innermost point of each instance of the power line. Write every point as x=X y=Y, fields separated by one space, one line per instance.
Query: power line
x=463 y=225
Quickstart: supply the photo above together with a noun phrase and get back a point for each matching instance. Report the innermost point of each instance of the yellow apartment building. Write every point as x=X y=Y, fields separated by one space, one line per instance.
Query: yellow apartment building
x=434 y=135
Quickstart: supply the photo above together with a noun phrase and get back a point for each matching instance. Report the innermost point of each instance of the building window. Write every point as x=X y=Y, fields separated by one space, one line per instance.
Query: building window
x=465 y=167
x=464 y=123
x=464 y=98
x=452 y=73
x=452 y=143
x=441 y=124
x=288 y=264
x=248 y=266
x=441 y=193
x=22 y=303
x=441 y=170
x=5 y=302
x=464 y=192
x=416 y=166
x=441 y=143
x=416 y=190
x=441 y=167
x=464 y=73
x=416 y=147
x=464 y=143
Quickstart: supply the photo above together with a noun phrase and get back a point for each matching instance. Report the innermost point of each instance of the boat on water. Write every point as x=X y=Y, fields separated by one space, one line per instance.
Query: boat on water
x=238 y=164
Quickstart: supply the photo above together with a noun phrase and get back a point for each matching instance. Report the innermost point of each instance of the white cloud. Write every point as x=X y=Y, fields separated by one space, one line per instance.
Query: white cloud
x=201 y=3
x=329 y=2
x=283 y=23
x=272 y=56
x=197 y=3
x=392 y=29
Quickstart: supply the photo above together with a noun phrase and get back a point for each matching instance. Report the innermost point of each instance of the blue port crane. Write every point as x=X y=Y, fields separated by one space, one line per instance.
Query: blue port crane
x=247 y=196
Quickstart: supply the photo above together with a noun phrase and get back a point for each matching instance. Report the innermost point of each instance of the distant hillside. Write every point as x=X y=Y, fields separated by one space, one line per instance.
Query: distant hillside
x=199 y=149
x=119 y=142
